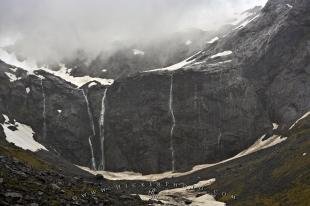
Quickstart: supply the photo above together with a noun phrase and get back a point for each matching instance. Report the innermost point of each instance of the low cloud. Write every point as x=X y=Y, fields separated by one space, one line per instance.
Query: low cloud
x=49 y=30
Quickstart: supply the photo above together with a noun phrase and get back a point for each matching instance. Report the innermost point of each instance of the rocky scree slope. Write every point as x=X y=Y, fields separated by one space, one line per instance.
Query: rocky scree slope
x=27 y=180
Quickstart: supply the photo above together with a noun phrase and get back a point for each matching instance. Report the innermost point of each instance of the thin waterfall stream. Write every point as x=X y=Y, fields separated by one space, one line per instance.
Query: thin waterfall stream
x=44 y=110
x=91 y=122
x=173 y=124
x=101 y=129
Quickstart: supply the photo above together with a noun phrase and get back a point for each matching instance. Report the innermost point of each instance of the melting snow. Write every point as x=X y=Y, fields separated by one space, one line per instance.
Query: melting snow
x=224 y=53
x=176 y=66
x=213 y=64
x=64 y=73
x=12 y=77
x=243 y=24
x=213 y=40
x=275 y=126
x=78 y=81
x=304 y=116
x=22 y=137
x=260 y=144
x=289 y=6
x=13 y=69
x=304 y=154
x=92 y=84
x=138 y=52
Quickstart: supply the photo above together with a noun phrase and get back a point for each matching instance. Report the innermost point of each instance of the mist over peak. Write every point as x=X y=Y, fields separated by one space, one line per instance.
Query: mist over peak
x=49 y=31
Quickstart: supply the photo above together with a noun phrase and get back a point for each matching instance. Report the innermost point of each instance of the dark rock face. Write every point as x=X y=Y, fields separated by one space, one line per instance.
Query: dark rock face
x=95 y=95
x=273 y=53
x=217 y=115
x=67 y=128
x=223 y=109
x=220 y=105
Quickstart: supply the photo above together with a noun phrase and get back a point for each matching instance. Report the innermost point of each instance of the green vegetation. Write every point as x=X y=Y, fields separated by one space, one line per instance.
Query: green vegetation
x=26 y=157
x=277 y=176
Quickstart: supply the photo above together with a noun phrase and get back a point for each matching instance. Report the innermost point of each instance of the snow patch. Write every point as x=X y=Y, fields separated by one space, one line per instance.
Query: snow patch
x=243 y=24
x=78 y=81
x=30 y=66
x=92 y=84
x=27 y=90
x=304 y=154
x=221 y=54
x=260 y=144
x=177 y=65
x=275 y=126
x=213 y=64
x=59 y=111
x=13 y=69
x=213 y=40
x=289 y=6
x=12 y=77
x=22 y=137
x=303 y=117
x=138 y=52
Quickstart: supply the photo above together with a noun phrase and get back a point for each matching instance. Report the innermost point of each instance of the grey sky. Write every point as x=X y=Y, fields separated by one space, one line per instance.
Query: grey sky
x=54 y=28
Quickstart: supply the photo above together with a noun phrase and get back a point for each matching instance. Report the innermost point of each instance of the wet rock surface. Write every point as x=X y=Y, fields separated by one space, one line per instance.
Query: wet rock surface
x=221 y=103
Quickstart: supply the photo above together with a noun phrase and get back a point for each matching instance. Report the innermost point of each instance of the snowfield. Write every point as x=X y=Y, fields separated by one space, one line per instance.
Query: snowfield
x=215 y=39
x=221 y=54
x=243 y=24
x=31 y=67
x=22 y=137
x=260 y=144
x=303 y=117
x=177 y=65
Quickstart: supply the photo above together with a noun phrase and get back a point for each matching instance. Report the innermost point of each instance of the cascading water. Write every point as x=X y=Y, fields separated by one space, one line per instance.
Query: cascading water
x=44 y=110
x=101 y=129
x=92 y=154
x=91 y=121
x=219 y=137
x=173 y=125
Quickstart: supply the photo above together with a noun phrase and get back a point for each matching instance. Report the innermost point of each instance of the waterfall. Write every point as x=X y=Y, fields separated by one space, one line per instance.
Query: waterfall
x=173 y=124
x=91 y=122
x=219 y=140
x=89 y=114
x=92 y=154
x=44 y=109
x=101 y=130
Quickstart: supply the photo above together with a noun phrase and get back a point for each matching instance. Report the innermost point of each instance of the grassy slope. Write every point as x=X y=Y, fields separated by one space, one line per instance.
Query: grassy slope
x=276 y=176
x=279 y=176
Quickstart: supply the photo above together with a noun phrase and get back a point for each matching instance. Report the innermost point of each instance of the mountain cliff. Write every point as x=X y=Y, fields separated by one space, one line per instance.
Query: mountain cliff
x=202 y=110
